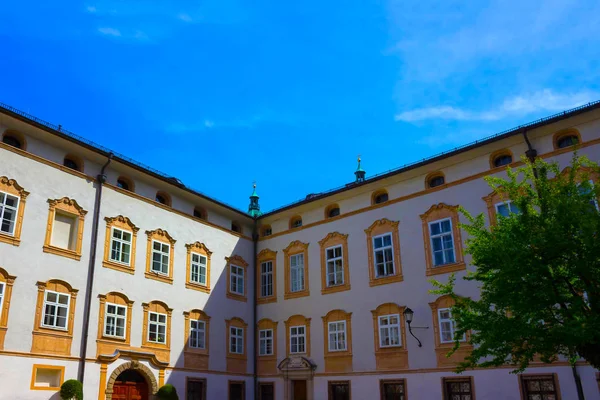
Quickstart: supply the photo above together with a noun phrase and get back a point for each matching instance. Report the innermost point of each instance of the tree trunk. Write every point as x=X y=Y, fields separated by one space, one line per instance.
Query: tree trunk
x=591 y=353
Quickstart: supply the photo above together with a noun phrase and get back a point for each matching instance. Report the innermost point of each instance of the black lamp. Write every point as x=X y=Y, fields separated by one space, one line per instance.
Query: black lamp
x=408 y=316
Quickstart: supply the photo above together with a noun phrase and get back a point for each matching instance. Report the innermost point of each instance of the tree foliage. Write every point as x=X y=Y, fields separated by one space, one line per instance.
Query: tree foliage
x=167 y=392
x=538 y=270
x=71 y=389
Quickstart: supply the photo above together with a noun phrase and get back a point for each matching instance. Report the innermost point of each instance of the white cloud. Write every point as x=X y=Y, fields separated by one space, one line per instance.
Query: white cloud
x=91 y=9
x=110 y=31
x=208 y=123
x=543 y=100
x=185 y=17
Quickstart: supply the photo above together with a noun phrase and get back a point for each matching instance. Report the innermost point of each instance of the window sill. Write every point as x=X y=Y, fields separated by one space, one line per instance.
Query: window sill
x=266 y=300
x=267 y=357
x=197 y=286
x=194 y=350
x=295 y=295
x=384 y=280
x=152 y=345
x=335 y=289
x=237 y=356
x=62 y=252
x=235 y=296
x=160 y=278
x=6 y=238
x=118 y=267
x=447 y=268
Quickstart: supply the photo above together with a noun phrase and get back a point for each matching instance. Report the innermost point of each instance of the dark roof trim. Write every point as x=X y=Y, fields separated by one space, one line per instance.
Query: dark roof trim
x=72 y=137
x=458 y=150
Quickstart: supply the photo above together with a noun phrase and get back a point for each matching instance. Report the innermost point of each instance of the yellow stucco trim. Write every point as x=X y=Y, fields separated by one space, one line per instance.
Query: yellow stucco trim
x=162 y=236
x=161 y=350
x=197 y=248
x=124 y=224
x=236 y=362
x=337 y=361
x=35 y=369
x=267 y=364
x=11 y=187
x=390 y=358
x=332 y=240
x=196 y=358
x=108 y=344
x=8 y=282
x=442 y=349
x=70 y=207
x=297 y=320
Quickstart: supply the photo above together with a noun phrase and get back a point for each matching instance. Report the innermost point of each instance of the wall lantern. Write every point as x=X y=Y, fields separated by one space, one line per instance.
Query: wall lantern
x=408 y=316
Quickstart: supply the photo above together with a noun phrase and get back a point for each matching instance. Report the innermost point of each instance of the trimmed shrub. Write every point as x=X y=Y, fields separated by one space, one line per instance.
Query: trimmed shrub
x=71 y=389
x=167 y=392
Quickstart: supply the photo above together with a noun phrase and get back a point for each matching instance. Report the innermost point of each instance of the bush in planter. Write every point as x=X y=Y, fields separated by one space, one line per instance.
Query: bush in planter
x=167 y=392
x=71 y=390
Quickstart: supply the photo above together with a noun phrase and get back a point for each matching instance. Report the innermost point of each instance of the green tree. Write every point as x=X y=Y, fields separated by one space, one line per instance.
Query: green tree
x=71 y=389
x=167 y=392
x=538 y=270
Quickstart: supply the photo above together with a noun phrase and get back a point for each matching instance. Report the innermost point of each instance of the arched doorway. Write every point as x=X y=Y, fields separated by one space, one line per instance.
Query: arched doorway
x=130 y=385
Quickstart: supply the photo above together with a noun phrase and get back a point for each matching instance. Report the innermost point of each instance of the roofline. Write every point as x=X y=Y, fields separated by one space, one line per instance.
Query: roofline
x=72 y=137
x=458 y=150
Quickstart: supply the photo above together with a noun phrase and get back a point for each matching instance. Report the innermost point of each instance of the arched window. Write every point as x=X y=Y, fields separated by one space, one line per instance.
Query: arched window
x=14 y=139
x=332 y=211
x=380 y=196
x=236 y=227
x=501 y=158
x=567 y=138
x=200 y=213
x=266 y=230
x=434 y=179
x=125 y=183
x=163 y=198
x=73 y=162
x=295 y=222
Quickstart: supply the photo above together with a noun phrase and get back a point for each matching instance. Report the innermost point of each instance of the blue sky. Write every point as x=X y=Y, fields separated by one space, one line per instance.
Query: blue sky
x=224 y=92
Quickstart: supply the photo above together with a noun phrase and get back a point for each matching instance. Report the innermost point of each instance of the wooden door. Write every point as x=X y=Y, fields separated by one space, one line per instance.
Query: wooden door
x=130 y=391
x=299 y=390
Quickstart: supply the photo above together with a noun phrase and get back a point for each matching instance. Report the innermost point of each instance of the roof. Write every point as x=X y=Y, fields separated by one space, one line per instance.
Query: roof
x=430 y=160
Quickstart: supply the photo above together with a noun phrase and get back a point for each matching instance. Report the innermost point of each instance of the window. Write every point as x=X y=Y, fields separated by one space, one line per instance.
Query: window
x=14 y=139
x=444 y=330
x=335 y=274
x=198 y=267
x=447 y=326
x=502 y=160
x=443 y=247
x=295 y=222
x=392 y=390
x=197 y=338
x=160 y=257
x=566 y=138
x=506 y=208
x=339 y=390
x=297 y=272
x=435 y=179
x=585 y=191
x=74 y=163
x=265 y=337
x=236 y=289
x=56 y=310
x=380 y=196
x=125 y=183
x=389 y=331
x=458 y=389
x=9 y=206
x=335 y=267
x=539 y=387
x=157 y=328
x=567 y=141
x=266 y=279
x=337 y=336
x=200 y=213
x=114 y=320
x=236 y=279
x=236 y=340
x=332 y=211
x=266 y=230
x=266 y=391
x=163 y=198
x=120 y=246
x=195 y=389
x=442 y=242
x=12 y=206
x=236 y=227
x=384 y=255
x=297 y=339
x=47 y=377
x=64 y=231
x=237 y=390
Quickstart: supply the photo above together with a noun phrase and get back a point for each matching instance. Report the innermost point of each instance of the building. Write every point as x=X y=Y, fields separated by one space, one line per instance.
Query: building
x=117 y=275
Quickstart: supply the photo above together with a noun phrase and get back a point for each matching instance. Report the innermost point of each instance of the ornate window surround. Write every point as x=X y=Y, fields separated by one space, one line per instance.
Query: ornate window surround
x=338 y=361
x=124 y=224
x=11 y=187
x=8 y=281
x=437 y=212
x=296 y=247
x=73 y=209
x=201 y=249
x=331 y=240
x=238 y=262
x=380 y=227
x=163 y=236
x=297 y=320
x=390 y=358
x=264 y=256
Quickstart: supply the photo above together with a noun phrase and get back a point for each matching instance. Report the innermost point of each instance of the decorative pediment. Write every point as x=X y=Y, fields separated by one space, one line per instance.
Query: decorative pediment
x=333 y=236
x=237 y=260
x=266 y=254
x=199 y=247
x=122 y=221
x=382 y=223
x=68 y=205
x=160 y=234
x=295 y=245
x=11 y=186
x=296 y=363
x=438 y=208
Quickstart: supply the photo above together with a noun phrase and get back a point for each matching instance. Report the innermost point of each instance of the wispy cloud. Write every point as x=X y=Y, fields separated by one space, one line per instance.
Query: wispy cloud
x=543 y=100
x=185 y=17
x=110 y=31
x=91 y=9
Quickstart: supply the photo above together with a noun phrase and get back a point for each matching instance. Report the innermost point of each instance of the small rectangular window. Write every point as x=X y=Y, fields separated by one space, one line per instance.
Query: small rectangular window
x=236 y=340
x=64 y=231
x=236 y=279
x=195 y=389
x=392 y=390
x=266 y=391
x=114 y=321
x=337 y=336
x=297 y=272
x=197 y=334
x=339 y=390
x=389 y=331
x=384 y=255
x=506 y=208
x=335 y=266
x=298 y=339
x=56 y=310
x=458 y=389
x=160 y=257
x=9 y=205
x=447 y=326
x=265 y=338
x=237 y=390
x=198 y=269
x=47 y=377
x=120 y=246
x=157 y=328
x=442 y=242
x=266 y=279
x=543 y=387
